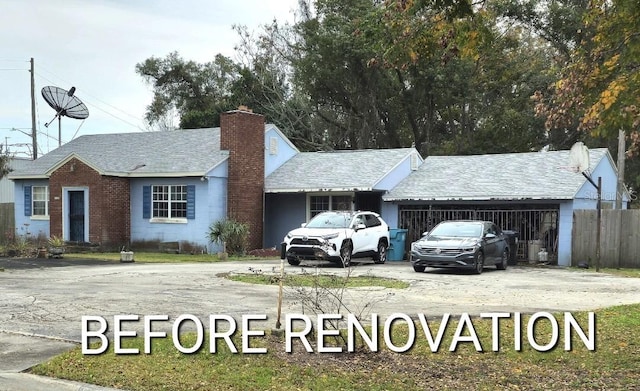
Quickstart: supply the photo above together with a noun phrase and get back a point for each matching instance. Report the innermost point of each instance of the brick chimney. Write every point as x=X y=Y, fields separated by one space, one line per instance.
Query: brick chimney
x=242 y=134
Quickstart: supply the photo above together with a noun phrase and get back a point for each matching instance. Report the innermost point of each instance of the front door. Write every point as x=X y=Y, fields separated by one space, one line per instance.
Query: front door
x=76 y=216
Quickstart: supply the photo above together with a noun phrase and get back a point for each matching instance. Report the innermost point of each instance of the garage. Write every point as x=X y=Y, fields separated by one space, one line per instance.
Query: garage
x=536 y=226
x=534 y=193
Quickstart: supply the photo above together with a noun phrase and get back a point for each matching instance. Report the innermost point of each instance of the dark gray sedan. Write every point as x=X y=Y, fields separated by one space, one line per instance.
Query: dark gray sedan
x=468 y=244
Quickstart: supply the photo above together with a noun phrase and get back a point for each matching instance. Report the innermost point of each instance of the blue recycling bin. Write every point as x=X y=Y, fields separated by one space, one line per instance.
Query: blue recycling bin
x=397 y=238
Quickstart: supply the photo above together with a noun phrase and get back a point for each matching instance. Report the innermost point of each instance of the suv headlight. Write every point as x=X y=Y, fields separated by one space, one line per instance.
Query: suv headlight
x=330 y=236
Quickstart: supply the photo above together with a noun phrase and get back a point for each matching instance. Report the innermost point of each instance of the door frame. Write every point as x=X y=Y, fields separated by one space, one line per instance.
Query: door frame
x=65 y=211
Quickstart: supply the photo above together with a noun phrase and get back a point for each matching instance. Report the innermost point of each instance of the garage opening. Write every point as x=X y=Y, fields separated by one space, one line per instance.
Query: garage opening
x=537 y=227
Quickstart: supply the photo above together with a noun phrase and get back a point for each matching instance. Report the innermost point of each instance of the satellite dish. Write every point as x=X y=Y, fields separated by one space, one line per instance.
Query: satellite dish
x=65 y=104
x=579 y=157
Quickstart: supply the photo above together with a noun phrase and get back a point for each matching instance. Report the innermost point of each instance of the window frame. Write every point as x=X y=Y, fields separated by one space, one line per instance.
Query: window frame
x=169 y=202
x=34 y=215
x=330 y=202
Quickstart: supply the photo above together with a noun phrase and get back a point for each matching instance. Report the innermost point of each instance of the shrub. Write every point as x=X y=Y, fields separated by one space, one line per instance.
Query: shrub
x=231 y=234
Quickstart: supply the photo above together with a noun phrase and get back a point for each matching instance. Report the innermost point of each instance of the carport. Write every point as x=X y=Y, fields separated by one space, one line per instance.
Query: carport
x=533 y=193
x=536 y=225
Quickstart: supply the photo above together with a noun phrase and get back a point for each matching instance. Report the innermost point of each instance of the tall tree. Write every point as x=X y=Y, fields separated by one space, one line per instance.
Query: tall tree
x=198 y=92
x=597 y=91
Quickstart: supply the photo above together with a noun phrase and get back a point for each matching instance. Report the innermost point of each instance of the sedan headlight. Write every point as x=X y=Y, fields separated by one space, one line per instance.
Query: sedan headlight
x=289 y=235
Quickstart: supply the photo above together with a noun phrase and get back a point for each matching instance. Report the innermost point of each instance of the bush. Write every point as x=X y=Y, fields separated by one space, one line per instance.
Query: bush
x=231 y=234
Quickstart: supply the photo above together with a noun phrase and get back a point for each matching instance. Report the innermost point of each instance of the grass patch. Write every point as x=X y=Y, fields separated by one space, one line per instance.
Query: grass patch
x=635 y=273
x=612 y=366
x=151 y=257
x=327 y=281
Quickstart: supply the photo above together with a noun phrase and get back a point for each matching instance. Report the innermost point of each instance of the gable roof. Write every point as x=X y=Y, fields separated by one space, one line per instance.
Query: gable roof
x=344 y=170
x=512 y=176
x=189 y=152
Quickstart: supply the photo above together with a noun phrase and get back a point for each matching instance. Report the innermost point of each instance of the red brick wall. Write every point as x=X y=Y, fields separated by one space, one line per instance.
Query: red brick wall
x=242 y=134
x=109 y=216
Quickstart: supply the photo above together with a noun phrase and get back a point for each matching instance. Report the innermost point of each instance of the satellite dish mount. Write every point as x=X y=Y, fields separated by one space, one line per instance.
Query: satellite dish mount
x=65 y=104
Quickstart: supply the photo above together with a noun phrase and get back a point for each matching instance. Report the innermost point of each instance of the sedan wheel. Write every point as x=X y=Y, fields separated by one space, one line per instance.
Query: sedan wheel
x=479 y=263
x=345 y=254
x=504 y=259
x=381 y=255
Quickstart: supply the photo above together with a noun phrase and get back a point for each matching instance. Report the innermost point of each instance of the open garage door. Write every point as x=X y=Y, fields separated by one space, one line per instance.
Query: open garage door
x=537 y=227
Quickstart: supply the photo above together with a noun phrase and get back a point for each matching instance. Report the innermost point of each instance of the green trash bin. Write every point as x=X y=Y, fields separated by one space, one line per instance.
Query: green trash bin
x=397 y=239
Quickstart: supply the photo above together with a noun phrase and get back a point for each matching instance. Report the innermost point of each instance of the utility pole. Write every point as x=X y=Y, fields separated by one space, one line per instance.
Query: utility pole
x=620 y=188
x=621 y=155
x=34 y=133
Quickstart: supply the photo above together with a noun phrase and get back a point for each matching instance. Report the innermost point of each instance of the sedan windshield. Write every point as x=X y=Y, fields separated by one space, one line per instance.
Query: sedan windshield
x=330 y=220
x=464 y=230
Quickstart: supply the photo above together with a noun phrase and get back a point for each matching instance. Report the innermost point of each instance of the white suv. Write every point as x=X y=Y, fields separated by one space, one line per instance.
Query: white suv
x=338 y=237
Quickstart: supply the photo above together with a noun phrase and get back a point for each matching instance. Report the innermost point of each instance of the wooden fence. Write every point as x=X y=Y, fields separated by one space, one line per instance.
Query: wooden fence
x=619 y=238
x=7 y=220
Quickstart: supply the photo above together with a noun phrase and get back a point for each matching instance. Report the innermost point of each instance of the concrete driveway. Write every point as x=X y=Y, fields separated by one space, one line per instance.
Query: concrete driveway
x=42 y=301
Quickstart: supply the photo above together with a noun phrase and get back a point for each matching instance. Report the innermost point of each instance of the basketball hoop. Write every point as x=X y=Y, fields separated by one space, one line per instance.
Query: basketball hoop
x=579 y=158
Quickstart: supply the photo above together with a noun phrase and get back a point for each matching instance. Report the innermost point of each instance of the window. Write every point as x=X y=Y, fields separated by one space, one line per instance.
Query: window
x=40 y=201
x=169 y=201
x=322 y=203
x=372 y=221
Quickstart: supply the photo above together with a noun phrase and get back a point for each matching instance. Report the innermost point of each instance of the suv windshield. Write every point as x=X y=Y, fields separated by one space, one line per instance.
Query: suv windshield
x=330 y=220
x=466 y=230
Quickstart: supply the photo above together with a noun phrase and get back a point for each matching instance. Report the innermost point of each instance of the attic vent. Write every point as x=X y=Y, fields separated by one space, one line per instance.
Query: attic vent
x=414 y=162
x=273 y=146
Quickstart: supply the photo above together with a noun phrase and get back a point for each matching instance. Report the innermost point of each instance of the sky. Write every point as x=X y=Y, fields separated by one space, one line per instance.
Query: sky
x=94 y=46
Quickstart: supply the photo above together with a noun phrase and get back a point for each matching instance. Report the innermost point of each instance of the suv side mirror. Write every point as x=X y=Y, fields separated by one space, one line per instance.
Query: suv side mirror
x=490 y=236
x=303 y=225
x=360 y=226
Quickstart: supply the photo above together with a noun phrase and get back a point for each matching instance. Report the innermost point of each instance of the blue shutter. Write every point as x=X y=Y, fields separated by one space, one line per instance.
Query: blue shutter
x=27 y=200
x=191 y=202
x=146 y=202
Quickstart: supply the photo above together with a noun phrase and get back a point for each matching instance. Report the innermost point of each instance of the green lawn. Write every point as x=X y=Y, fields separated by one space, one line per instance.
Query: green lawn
x=612 y=366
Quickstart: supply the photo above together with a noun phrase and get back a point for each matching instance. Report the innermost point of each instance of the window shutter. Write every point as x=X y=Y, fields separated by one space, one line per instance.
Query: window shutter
x=146 y=202
x=27 y=200
x=191 y=202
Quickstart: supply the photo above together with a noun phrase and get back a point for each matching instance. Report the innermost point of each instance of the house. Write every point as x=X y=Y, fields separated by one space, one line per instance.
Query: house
x=120 y=189
x=534 y=194
x=312 y=182
x=7 y=214
x=115 y=189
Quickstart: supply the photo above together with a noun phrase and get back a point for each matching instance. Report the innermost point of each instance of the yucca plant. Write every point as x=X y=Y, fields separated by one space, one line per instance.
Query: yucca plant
x=231 y=234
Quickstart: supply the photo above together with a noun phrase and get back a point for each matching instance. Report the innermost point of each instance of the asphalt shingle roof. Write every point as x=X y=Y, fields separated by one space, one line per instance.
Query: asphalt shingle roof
x=513 y=176
x=352 y=170
x=179 y=152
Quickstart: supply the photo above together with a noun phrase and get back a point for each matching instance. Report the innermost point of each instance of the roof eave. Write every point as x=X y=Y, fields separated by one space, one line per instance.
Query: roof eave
x=439 y=199
x=318 y=190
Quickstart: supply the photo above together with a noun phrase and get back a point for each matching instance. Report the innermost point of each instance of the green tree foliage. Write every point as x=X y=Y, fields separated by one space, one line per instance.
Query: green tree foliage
x=199 y=92
x=449 y=76
x=597 y=89
x=447 y=79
